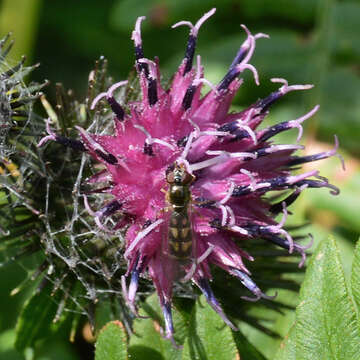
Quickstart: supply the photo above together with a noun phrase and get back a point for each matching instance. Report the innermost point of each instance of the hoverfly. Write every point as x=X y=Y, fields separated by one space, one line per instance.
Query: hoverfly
x=179 y=237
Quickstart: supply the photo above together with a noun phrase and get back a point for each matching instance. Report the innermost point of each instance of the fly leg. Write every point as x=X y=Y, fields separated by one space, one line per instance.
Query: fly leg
x=196 y=263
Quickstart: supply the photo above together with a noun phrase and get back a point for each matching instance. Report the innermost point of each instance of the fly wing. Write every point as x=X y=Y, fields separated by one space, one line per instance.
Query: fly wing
x=192 y=215
x=165 y=233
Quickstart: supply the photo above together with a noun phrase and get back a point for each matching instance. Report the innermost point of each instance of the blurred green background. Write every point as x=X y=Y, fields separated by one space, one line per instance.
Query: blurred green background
x=311 y=41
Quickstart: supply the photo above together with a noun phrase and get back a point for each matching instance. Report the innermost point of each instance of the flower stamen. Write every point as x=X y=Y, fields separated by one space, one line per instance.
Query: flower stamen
x=265 y=103
x=198 y=261
x=240 y=62
x=115 y=106
x=50 y=137
x=239 y=130
x=191 y=44
x=286 y=88
x=277 y=229
x=141 y=235
x=98 y=215
x=251 y=286
x=276 y=208
x=74 y=144
x=150 y=140
x=204 y=286
x=320 y=156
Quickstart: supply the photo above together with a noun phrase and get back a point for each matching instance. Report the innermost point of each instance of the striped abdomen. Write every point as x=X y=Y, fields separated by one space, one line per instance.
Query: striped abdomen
x=180 y=236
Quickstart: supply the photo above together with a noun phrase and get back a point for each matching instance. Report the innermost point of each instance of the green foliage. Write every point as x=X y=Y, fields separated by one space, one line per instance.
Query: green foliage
x=200 y=334
x=36 y=318
x=147 y=342
x=326 y=324
x=287 y=349
x=25 y=30
x=355 y=276
x=111 y=343
x=245 y=348
x=209 y=337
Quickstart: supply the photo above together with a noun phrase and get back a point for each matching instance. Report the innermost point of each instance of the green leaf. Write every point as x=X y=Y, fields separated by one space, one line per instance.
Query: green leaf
x=111 y=343
x=209 y=337
x=346 y=21
x=355 y=276
x=246 y=350
x=326 y=323
x=35 y=320
x=148 y=342
x=287 y=349
x=7 y=351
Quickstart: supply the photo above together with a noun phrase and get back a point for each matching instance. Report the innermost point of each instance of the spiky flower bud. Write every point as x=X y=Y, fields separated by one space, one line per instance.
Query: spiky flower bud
x=224 y=160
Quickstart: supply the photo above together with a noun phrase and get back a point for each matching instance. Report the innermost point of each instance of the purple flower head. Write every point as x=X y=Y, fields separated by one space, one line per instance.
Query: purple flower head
x=231 y=162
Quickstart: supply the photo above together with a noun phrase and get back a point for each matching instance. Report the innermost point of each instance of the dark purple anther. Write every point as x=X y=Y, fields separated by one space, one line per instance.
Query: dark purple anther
x=323 y=155
x=134 y=282
x=204 y=286
x=281 y=183
x=169 y=327
x=116 y=108
x=228 y=78
x=305 y=159
x=264 y=104
x=206 y=289
x=241 y=191
x=277 y=240
x=110 y=208
x=234 y=129
x=204 y=203
x=139 y=53
x=74 y=144
x=189 y=95
x=246 y=281
x=143 y=67
x=189 y=53
x=148 y=149
x=152 y=91
x=182 y=142
x=319 y=184
x=278 y=207
x=147 y=223
x=268 y=233
x=239 y=57
x=251 y=286
x=191 y=44
x=109 y=158
x=274 y=130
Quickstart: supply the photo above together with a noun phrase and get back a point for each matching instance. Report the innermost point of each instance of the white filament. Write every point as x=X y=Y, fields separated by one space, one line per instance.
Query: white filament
x=141 y=234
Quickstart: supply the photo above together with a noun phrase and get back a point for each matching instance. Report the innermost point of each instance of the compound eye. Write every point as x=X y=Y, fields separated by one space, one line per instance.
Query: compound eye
x=187 y=178
x=170 y=177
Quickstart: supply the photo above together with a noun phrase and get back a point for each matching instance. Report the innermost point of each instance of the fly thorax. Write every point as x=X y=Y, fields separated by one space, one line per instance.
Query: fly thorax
x=179 y=195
